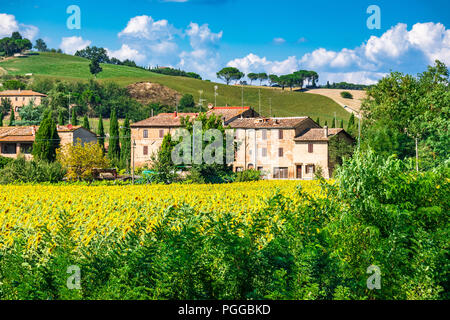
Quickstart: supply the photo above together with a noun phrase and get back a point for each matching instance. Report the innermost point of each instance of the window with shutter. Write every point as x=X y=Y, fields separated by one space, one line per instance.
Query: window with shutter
x=145 y=150
x=310 y=148
x=280 y=152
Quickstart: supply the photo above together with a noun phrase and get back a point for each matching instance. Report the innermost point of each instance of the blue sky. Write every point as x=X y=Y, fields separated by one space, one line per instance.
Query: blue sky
x=330 y=37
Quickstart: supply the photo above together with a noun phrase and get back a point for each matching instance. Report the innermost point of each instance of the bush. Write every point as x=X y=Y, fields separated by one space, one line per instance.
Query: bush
x=4 y=161
x=80 y=160
x=248 y=175
x=346 y=95
x=22 y=171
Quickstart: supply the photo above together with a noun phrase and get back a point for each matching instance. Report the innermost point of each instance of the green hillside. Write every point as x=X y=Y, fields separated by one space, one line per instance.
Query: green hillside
x=284 y=103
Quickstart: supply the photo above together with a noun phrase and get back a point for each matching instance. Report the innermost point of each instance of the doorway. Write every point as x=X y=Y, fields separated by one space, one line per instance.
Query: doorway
x=298 y=171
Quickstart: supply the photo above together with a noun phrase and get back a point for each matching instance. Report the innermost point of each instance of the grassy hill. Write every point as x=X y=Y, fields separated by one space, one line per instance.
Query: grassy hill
x=284 y=103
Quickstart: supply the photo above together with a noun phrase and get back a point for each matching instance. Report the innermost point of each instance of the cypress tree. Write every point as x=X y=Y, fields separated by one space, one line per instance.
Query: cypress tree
x=326 y=123
x=1 y=119
x=125 y=152
x=11 y=118
x=114 y=143
x=60 y=118
x=318 y=121
x=351 y=124
x=86 y=123
x=74 y=120
x=101 y=133
x=333 y=123
x=47 y=140
x=342 y=124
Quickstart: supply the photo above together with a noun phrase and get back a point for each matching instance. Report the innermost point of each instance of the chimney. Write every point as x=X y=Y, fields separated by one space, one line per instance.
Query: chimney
x=325 y=131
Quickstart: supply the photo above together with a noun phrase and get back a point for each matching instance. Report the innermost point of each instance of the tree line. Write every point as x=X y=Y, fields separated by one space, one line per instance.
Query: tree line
x=296 y=79
x=14 y=44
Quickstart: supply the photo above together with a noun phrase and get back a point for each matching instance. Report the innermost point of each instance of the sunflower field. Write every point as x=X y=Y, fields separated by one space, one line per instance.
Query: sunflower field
x=254 y=240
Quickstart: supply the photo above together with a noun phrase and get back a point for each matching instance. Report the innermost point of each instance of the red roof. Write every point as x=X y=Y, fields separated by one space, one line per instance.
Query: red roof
x=21 y=93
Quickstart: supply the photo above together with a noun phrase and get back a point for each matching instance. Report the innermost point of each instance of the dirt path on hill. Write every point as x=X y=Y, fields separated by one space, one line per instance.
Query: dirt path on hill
x=335 y=94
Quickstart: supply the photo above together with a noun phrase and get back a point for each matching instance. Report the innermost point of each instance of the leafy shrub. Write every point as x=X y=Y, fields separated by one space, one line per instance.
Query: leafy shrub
x=346 y=95
x=248 y=175
x=80 y=159
x=4 y=161
x=20 y=170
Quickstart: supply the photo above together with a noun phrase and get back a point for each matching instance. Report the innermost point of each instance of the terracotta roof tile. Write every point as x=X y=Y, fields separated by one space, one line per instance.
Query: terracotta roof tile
x=318 y=134
x=13 y=93
x=280 y=123
x=27 y=133
x=164 y=120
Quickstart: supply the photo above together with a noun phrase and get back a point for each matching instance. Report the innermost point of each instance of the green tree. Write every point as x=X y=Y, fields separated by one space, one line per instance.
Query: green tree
x=351 y=125
x=187 y=103
x=40 y=45
x=5 y=106
x=230 y=73
x=47 y=140
x=1 y=120
x=262 y=77
x=333 y=123
x=407 y=108
x=101 y=133
x=14 y=85
x=341 y=125
x=61 y=121
x=318 y=121
x=114 y=139
x=86 y=123
x=11 y=118
x=162 y=163
x=252 y=76
x=125 y=151
x=74 y=119
x=30 y=115
x=95 y=68
x=273 y=79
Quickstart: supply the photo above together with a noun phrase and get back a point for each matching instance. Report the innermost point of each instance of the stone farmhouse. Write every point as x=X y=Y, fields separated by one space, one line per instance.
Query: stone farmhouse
x=20 y=98
x=19 y=140
x=282 y=148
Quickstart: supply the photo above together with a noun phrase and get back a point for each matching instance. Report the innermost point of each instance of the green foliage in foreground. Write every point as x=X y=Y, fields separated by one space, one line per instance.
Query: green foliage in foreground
x=21 y=171
x=378 y=213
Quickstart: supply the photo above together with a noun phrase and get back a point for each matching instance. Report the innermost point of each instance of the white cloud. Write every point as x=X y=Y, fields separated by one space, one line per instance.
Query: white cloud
x=202 y=37
x=360 y=77
x=392 y=44
x=70 y=45
x=125 y=52
x=204 y=58
x=164 y=48
x=254 y=63
x=279 y=40
x=9 y=24
x=145 y=27
x=396 y=49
